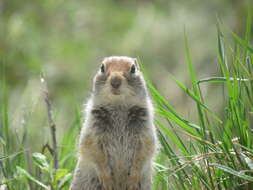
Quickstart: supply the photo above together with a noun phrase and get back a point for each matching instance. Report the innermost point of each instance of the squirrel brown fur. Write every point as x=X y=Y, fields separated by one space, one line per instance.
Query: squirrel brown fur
x=118 y=139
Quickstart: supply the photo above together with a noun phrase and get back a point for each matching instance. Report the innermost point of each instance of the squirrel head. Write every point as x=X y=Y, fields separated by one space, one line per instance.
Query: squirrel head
x=119 y=80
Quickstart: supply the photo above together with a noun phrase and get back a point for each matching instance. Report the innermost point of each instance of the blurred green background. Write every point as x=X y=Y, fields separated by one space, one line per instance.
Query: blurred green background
x=66 y=40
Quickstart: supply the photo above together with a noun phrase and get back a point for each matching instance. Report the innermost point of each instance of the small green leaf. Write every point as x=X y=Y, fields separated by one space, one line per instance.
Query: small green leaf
x=242 y=42
x=65 y=181
x=195 y=98
x=233 y=172
x=182 y=123
x=40 y=160
x=248 y=161
x=171 y=136
x=60 y=173
x=24 y=173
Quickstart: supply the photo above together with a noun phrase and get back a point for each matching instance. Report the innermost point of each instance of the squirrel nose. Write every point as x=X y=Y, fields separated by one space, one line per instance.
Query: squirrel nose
x=115 y=82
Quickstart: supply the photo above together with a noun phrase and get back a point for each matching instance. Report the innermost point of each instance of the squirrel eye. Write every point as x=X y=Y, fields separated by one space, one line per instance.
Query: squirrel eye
x=102 y=68
x=133 y=69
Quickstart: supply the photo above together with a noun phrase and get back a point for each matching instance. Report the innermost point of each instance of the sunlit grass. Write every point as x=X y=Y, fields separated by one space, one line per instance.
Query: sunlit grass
x=216 y=152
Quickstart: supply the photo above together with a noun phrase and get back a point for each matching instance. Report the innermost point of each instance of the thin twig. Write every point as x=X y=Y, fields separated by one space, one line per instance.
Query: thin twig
x=47 y=146
x=51 y=121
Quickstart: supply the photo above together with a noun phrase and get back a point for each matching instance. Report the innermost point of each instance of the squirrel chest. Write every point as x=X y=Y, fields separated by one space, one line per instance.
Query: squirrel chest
x=119 y=120
x=120 y=132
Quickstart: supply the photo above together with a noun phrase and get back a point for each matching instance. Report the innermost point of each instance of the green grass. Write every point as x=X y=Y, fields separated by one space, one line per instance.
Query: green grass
x=214 y=152
x=218 y=151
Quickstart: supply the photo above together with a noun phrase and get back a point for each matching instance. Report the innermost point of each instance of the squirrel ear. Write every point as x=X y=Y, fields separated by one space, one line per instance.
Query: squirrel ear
x=136 y=63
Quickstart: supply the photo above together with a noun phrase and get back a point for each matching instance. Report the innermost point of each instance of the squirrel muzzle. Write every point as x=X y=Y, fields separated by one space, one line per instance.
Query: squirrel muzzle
x=116 y=81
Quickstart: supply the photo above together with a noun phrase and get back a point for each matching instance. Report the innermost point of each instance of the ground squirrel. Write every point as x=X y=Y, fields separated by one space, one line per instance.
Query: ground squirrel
x=118 y=139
